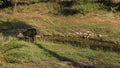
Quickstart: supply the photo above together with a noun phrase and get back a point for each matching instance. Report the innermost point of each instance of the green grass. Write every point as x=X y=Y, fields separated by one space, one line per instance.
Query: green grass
x=38 y=16
x=79 y=54
x=20 y=51
x=14 y=51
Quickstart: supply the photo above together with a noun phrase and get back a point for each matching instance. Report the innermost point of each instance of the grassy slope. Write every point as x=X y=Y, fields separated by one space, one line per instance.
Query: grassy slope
x=37 y=15
x=15 y=51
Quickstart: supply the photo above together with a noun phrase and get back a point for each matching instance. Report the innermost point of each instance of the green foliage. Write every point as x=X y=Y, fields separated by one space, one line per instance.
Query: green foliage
x=89 y=6
x=34 y=1
x=84 y=1
x=79 y=6
x=9 y=3
x=1 y=2
x=28 y=2
x=65 y=8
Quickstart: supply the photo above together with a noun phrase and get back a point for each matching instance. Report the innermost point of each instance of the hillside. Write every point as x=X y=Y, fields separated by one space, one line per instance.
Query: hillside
x=38 y=16
x=56 y=52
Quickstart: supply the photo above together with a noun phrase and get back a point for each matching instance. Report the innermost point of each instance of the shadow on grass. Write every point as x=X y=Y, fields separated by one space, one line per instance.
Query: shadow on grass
x=11 y=28
x=69 y=11
x=62 y=58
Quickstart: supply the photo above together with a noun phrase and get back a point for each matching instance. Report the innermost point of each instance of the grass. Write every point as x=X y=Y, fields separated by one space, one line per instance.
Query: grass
x=39 y=17
x=78 y=54
x=14 y=51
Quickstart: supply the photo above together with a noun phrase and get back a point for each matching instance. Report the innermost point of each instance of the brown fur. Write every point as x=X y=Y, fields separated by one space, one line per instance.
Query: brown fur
x=28 y=34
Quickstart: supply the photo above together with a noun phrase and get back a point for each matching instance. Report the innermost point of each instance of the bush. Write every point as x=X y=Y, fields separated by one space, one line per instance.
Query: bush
x=69 y=11
x=66 y=8
x=78 y=6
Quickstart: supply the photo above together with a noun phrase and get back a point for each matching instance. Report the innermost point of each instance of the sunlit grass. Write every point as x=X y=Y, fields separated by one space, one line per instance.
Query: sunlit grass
x=16 y=51
x=39 y=17
x=79 y=54
x=13 y=50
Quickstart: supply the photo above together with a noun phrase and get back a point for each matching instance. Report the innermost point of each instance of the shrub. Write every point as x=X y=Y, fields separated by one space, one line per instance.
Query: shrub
x=78 y=6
